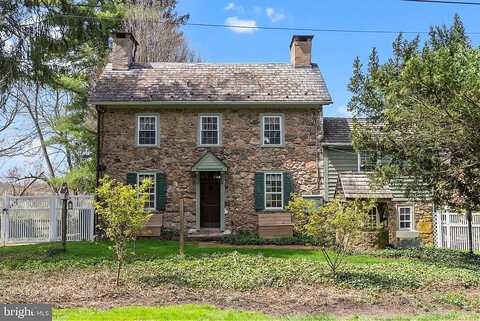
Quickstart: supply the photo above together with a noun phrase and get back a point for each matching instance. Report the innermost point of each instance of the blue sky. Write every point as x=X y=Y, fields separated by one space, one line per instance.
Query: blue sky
x=334 y=52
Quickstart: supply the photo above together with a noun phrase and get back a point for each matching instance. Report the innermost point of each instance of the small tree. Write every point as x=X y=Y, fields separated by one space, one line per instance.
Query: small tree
x=335 y=225
x=122 y=208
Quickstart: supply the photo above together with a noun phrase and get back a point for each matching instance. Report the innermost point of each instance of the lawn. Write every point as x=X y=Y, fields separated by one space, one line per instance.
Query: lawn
x=276 y=282
x=207 y=313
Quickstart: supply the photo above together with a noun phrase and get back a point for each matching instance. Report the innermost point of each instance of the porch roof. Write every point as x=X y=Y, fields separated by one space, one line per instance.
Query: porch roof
x=358 y=185
x=209 y=163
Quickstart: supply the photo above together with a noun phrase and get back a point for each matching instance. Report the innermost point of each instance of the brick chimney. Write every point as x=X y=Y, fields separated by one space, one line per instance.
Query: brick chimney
x=301 y=50
x=123 y=50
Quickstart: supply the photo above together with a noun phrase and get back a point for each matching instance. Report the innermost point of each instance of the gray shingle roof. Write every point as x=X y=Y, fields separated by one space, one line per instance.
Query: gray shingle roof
x=337 y=130
x=211 y=82
x=357 y=185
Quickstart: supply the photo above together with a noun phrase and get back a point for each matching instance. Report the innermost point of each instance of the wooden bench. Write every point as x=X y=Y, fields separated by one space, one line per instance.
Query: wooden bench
x=274 y=225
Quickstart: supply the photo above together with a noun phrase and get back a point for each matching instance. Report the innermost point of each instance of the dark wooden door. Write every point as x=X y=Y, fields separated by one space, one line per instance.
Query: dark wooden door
x=210 y=199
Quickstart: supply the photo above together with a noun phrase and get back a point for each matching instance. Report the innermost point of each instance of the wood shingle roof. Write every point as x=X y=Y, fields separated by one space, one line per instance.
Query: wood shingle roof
x=211 y=82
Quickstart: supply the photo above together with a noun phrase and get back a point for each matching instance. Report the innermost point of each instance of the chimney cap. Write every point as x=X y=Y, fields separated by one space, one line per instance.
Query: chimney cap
x=124 y=34
x=300 y=38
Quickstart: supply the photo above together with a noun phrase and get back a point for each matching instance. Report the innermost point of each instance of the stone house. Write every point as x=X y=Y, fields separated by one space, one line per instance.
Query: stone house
x=233 y=140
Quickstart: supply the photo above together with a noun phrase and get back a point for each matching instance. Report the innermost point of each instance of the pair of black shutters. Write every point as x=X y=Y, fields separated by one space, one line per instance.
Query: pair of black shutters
x=160 y=188
x=288 y=188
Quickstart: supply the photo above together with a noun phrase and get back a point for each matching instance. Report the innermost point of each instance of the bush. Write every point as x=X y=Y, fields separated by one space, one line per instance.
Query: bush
x=249 y=238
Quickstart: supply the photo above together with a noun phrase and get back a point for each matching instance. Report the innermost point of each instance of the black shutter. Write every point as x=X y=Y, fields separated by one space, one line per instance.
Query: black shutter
x=259 y=191
x=132 y=179
x=288 y=188
x=161 y=191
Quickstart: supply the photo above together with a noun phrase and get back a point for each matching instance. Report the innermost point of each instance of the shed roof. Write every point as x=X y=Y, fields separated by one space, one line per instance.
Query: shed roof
x=167 y=82
x=358 y=185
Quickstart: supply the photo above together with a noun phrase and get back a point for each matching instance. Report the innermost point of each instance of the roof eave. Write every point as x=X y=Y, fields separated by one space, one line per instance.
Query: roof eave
x=193 y=102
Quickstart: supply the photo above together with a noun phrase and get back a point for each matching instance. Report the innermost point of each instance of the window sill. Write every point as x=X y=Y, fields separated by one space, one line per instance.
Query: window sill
x=274 y=146
x=406 y=234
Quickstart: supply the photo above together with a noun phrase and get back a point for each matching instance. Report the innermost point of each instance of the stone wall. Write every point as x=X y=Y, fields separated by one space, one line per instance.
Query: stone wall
x=241 y=152
x=423 y=215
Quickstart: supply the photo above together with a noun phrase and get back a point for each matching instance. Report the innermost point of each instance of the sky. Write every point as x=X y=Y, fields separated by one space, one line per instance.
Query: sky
x=333 y=52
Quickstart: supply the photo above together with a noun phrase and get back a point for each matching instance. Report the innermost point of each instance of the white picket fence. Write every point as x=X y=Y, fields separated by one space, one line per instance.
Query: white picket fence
x=36 y=219
x=452 y=231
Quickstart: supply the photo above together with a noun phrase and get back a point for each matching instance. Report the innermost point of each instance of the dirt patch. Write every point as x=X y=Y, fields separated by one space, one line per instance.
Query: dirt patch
x=95 y=288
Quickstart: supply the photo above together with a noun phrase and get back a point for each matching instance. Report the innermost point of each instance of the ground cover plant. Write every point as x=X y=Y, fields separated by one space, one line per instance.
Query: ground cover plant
x=276 y=281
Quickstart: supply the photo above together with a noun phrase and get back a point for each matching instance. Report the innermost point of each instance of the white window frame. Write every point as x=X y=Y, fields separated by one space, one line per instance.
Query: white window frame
x=375 y=224
x=154 y=188
x=157 y=130
x=282 y=130
x=412 y=217
x=219 y=129
x=359 y=161
x=265 y=190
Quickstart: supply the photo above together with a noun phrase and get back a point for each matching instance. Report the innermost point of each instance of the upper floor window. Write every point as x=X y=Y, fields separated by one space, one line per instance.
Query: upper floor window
x=273 y=191
x=209 y=130
x=405 y=218
x=272 y=130
x=147 y=130
x=150 y=203
x=367 y=161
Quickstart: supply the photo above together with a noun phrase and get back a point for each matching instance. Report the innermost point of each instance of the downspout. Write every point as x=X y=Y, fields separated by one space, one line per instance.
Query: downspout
x=98 y=166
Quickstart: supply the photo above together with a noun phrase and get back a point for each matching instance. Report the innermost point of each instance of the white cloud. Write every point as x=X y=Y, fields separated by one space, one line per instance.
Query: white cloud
x=231 y=6
x=241 y=25
x=274 y=15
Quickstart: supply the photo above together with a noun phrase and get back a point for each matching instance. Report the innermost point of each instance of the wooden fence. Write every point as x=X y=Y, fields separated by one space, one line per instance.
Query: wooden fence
x=452 y=231
x=36 y=219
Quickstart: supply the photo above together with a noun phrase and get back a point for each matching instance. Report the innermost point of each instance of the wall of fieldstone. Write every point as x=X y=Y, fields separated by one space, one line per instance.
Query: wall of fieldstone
x=241 y=152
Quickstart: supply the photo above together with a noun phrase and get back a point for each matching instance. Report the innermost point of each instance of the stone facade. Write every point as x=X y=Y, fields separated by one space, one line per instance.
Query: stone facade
x=423 y=229
x=241 y=151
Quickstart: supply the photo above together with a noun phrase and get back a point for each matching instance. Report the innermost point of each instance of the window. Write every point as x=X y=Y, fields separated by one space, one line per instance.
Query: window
x=147 y=130
x=405 y=218
x=272 y=131
x=366 y=161
x=209 y=130
x=273 y=191
x=150 y=203
x=373 y=219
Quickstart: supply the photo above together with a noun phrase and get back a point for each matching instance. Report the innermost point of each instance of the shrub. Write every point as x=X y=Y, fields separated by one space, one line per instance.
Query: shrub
x=122 y=209
x=249 y=238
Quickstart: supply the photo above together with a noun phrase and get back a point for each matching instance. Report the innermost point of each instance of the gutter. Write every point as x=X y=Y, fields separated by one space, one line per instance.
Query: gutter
x=337 y=144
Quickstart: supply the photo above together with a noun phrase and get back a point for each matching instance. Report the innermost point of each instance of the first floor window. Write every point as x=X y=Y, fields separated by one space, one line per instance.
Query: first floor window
x=273 y=190
x=150 y=203
x=147 y=130
x=373 y=218
x=405 y=218
x=209 y=130
x=272 y=130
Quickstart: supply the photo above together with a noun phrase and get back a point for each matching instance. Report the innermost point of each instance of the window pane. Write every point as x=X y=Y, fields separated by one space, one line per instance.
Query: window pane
x=405 y=218
x=273 y=191
x=147 y=130
x=209 y=130
x=368 y=161
x=150 y=203
x=272 y=130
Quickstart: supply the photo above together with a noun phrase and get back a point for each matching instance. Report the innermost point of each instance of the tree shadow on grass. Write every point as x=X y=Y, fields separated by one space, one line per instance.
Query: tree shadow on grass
x=373 y=280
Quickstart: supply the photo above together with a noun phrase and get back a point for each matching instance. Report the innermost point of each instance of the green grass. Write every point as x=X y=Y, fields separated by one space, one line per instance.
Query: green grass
x=206 y=313
x=91 y=254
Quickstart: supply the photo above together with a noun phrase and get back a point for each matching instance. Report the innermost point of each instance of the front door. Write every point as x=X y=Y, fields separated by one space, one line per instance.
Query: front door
x=210 y=199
